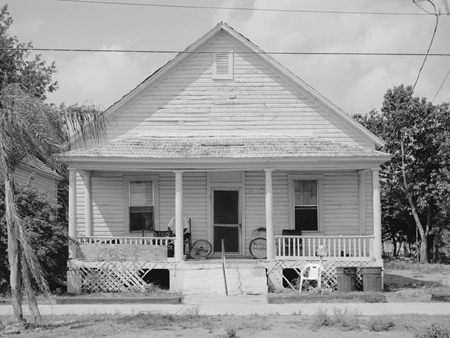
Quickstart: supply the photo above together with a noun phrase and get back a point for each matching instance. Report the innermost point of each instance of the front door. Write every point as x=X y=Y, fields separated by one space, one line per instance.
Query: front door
x=227 y=220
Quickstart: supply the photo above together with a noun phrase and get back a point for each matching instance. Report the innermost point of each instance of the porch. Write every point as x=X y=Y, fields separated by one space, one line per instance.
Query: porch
x=114 y=264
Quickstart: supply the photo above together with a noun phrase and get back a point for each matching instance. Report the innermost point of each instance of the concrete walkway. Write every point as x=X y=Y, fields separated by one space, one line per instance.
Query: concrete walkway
x=240 y=305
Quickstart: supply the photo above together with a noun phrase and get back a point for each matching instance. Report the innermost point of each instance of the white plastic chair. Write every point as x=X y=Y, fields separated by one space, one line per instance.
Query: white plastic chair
x=314 y=272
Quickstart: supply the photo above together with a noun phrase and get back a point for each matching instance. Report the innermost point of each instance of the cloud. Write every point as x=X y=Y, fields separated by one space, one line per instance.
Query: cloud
x=24 y=30
x=98 y=78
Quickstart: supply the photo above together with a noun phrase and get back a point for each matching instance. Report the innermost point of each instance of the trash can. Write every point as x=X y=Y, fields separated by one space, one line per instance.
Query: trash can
x=371 y=278
x=346 y=279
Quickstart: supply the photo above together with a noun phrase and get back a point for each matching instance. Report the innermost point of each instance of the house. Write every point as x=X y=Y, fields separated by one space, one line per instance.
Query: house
x=226 y=137
x=32 y=171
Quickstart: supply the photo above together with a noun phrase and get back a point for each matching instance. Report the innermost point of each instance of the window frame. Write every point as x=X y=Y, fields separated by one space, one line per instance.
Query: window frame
x=319 y=180
x=126 y=200
x=230 y=74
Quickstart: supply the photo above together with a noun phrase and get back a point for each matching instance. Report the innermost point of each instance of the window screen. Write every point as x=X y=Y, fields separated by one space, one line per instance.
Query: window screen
x=141 y=206
x=306 y=205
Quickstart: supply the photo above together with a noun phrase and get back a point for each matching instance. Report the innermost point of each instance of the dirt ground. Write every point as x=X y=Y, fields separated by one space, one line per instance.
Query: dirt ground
x=401 y=285
x=219 y=327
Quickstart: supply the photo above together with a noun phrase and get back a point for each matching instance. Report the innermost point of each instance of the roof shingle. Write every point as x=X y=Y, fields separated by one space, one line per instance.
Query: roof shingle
x=185 y=147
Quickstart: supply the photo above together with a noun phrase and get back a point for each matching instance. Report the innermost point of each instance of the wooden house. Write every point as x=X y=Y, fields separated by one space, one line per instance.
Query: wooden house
x=227 y=138
x=34 y=172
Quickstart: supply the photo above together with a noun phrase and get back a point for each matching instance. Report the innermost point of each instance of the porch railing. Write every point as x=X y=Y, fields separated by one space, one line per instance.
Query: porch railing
x=338 y=247
x=160 y=241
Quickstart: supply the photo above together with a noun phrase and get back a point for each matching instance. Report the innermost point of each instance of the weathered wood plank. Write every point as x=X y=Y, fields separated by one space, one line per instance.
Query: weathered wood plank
x=122 y=252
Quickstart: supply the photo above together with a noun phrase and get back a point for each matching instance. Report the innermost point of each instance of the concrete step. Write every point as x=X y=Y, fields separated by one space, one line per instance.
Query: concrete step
x=209 y=279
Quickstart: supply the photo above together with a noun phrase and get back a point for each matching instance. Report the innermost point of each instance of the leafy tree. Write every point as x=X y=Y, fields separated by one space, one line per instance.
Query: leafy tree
x=415 y=181
x=17 y=67
x=29 y=127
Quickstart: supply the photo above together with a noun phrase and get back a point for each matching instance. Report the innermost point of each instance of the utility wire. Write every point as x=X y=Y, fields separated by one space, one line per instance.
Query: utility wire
x=436 y=13
x=76 y=50
x=243 y=8
x=442 y=85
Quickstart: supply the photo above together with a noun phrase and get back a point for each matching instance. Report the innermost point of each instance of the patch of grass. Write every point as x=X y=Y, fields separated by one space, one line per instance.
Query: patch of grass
x=230 y=333
x=435 y=330
x=144 y=320
x=380 y=323
x=346 y=320
x=321 y=318
x=414 y=267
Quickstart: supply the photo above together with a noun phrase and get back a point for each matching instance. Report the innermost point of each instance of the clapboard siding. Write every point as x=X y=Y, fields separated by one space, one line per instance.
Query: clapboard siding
x=194 y=201
x=189 y=102
x=340 y=197
x=341 y=203
x=107 y=209
x=25 y=176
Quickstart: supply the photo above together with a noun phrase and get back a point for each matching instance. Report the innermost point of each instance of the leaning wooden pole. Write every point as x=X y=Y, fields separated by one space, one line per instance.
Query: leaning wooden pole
x=223 y=268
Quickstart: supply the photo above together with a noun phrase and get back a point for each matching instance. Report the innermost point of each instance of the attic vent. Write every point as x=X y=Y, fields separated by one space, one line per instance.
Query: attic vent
x=223 y=65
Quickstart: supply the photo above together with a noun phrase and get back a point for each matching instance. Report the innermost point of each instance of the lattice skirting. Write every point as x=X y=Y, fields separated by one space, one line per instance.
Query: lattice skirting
x=115 y=276
x=278 y=280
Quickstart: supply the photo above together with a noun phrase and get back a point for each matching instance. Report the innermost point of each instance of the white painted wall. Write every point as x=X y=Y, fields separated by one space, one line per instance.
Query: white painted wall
x=24 y=175
x=340 y=202
x=256 y=101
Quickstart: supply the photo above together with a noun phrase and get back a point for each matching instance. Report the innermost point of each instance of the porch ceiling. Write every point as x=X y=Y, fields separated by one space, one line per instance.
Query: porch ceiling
x=223 y=149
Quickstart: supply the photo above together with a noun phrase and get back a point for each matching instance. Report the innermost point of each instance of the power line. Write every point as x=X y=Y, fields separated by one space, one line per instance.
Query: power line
x=442 y=85
x=245 y=8
x=82 y=50
x=436 y=14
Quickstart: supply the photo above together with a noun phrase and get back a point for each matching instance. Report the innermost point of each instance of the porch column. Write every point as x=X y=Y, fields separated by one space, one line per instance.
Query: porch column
x=72 y=213
x=269 y=216
x=88 y=204
x=376 y=213
x=179 y=247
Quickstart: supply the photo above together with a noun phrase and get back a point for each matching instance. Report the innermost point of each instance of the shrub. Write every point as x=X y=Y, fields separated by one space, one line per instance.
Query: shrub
x=435 y=330
x=47 y=230
x=321 y=318
x=346 y=320
x=380 y=323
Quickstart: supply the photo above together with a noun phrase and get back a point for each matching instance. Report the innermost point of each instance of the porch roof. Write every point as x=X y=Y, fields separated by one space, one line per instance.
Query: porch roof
x=224 y=147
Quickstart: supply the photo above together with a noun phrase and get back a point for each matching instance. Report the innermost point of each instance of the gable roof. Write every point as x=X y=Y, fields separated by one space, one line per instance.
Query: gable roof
x=281 y=70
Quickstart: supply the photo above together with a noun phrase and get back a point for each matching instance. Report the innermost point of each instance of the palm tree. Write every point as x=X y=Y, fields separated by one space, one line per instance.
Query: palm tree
x=29 y=127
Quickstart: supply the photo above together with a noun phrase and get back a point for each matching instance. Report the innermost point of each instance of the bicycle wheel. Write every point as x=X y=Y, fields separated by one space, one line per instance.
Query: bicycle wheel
x=258 y=248
x=201 y=249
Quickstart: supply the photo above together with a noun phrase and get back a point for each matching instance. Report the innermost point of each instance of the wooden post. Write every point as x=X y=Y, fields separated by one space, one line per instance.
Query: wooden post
x=72 y=213
x=88 y=204
x=269 y=216
x=376 y=214
x=179 y=252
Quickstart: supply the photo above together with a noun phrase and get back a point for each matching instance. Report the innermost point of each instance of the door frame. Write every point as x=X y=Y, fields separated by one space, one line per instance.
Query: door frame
x=235 y=186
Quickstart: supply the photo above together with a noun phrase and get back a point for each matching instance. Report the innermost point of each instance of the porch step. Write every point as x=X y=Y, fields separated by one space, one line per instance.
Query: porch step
x=207 y=278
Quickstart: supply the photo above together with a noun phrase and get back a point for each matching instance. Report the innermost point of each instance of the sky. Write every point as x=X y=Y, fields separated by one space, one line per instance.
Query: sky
x=354 y=83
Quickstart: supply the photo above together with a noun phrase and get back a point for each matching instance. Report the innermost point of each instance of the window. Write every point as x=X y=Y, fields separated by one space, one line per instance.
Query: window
x=306 y=205
x=305 y=202
x=141 y=206
x=223 y=65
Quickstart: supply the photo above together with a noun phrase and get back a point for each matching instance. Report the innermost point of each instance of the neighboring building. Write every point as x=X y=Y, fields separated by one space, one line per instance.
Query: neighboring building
x=33 y=172
x=226 y=137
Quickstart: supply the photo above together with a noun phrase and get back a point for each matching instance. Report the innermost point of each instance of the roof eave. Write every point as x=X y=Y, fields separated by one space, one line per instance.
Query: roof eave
x=136 y=164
